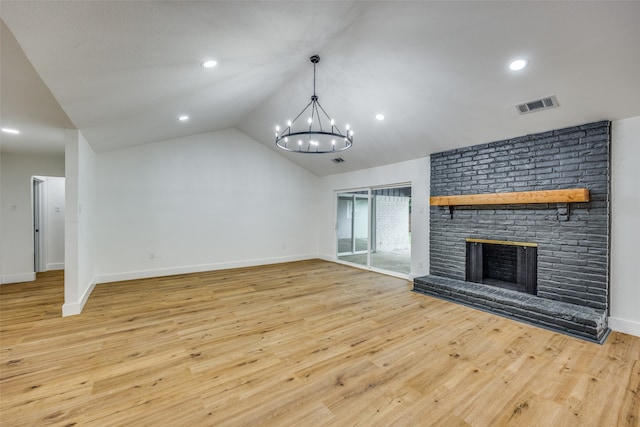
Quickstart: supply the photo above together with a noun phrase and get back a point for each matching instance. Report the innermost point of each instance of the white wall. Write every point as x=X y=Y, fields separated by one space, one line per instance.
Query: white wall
x=1 y=210
x=204 y=202
x=17 y=214
x=415 y=172
x=625 y=226
x=80 y=224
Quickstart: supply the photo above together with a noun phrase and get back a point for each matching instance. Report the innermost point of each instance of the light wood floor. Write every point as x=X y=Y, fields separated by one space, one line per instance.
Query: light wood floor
x=301 y=344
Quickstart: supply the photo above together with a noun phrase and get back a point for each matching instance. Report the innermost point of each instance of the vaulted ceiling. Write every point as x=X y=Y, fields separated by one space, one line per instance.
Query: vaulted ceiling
x=122 y=72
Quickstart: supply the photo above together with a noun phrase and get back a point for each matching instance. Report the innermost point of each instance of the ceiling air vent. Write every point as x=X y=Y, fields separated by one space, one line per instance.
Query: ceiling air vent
x=538 y=104
x=337 y=160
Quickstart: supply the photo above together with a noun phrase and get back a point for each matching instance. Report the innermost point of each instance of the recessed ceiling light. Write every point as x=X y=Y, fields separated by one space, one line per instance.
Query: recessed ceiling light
x=9 y=130
x=183 y=118
x=380 y=117
x=210 y=63
x=518 y=64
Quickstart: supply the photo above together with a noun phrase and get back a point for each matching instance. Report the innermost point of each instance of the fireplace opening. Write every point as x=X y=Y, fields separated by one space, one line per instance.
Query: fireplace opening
x=508 y=265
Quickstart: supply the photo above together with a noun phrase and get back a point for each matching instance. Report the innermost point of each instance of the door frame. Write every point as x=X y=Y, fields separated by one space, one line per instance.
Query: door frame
x=370 y=224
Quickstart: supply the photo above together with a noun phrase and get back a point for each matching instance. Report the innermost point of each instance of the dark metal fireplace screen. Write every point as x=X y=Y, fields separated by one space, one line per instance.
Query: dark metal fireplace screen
x=509 y=265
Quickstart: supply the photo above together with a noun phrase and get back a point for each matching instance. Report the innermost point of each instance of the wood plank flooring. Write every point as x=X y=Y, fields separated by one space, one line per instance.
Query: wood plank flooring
x=309 y=343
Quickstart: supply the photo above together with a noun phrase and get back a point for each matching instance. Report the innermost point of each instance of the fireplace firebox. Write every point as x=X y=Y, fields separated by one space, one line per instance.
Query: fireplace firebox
x=508 y=265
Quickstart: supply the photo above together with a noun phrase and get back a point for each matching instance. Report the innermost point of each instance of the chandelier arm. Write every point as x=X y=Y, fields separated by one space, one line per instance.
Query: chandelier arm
x=299 y=114
x=318 y=116
x=327 y=116
x=313 y=108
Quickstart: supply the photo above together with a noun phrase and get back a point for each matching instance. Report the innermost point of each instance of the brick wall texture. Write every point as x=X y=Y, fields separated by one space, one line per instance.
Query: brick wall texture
x=573 y=239
x=500 y=262
x=392 y=223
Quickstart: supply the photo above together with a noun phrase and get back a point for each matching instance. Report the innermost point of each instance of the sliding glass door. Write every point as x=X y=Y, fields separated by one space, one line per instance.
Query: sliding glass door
x=353 y=227
x=374 y=228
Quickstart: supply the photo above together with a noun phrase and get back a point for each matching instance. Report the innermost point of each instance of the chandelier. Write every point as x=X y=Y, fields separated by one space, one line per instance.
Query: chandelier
x=318 y=134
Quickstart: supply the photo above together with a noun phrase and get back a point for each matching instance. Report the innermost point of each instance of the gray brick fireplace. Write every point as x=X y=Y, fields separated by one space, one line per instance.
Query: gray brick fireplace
x=571 y=240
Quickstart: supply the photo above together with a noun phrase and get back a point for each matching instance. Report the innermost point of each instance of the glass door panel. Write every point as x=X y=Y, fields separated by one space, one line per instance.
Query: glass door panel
x=353 y=227
x=345 y=224
x=361 y=224
x=391 y=229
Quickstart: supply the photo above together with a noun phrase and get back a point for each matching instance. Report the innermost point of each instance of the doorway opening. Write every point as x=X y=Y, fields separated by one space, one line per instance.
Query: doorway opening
x=48 y=200
x=373 y=228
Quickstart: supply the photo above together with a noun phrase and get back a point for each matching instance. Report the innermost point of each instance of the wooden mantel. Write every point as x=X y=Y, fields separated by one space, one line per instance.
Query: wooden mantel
x=572 y=195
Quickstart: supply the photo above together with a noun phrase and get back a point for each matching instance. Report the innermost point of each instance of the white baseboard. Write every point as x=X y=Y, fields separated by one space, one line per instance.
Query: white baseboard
x=17 y=278
x=626 y=326
x=55 y=266
x=73 y=308
x=170 y=271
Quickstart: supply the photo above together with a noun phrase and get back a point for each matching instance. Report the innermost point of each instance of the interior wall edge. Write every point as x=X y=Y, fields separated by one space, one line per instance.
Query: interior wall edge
x=75 y=307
